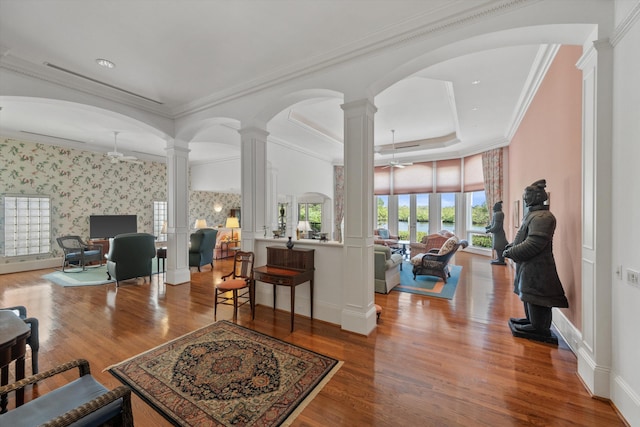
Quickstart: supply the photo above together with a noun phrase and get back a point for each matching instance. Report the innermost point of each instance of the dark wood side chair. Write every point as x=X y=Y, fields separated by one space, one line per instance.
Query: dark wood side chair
x=239 y=280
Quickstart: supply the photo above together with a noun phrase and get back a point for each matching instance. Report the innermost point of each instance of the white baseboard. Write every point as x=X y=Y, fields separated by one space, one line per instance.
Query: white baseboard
x=626 y=400
x=569 y=333
x=38 y=264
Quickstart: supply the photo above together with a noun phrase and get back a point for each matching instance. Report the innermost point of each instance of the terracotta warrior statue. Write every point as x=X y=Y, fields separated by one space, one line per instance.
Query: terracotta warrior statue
x=497 y=229
x=536 y=281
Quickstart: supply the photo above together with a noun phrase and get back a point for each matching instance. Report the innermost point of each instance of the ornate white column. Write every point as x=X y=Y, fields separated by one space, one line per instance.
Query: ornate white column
x=358 y=310
x=177 y=212
x=594 y=355
x=254 y=191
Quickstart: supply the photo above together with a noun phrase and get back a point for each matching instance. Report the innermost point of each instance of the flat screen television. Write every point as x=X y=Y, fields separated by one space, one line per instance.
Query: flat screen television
x=106 y=226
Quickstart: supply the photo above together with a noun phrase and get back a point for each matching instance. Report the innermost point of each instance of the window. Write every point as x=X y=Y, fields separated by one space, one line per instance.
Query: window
x=27 y=226
x=382 y=211
x=160 y=220
x=311 y=212
x=478 y=219
x=404 y=215
x=422 y=216
x=448 y=211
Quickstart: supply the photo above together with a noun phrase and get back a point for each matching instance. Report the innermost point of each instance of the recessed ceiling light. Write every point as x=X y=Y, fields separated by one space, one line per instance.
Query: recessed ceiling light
x=475 y=82
x=105 y=63
x=475 y=108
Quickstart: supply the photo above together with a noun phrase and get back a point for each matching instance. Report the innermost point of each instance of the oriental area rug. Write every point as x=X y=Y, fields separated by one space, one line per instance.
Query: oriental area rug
x=227 y=375
x=431 y=286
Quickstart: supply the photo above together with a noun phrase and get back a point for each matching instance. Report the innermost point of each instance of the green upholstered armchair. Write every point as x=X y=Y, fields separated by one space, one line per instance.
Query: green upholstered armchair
x=130 y=256
x=201 y=249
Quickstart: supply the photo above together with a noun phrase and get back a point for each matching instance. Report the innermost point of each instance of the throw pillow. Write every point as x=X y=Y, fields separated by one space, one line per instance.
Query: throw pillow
x=383 y=233
x=448 y=245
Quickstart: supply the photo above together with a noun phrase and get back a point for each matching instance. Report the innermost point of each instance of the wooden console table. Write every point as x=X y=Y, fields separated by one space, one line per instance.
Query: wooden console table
x=287 y=267
x=101 y=242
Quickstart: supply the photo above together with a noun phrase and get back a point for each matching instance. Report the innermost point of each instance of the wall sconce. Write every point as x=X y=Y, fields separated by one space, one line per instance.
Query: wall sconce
x=217 y=207
x=200 y=223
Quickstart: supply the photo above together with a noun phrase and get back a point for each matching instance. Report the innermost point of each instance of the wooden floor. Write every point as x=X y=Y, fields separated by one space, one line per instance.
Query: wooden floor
x=430 y=362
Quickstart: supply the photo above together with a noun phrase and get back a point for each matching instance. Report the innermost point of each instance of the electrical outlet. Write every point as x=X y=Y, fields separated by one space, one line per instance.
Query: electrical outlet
x=633 y=277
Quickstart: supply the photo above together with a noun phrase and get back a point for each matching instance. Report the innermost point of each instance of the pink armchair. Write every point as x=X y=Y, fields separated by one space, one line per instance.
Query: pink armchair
x=381 y=236
x=431 y=241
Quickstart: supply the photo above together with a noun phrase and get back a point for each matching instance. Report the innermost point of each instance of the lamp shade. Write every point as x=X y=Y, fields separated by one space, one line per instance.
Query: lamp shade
x=304 y=226
x=232 y=222
x=201 y=223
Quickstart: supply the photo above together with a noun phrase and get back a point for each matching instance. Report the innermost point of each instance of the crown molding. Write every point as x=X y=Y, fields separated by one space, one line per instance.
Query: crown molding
x=417 y=28
x=33 y=71
x=543 y=60
x=290 y=146
x=314 y=128
x=627 y=23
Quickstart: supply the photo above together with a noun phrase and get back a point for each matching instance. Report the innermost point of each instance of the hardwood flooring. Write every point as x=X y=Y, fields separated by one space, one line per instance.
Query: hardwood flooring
x=430 y=362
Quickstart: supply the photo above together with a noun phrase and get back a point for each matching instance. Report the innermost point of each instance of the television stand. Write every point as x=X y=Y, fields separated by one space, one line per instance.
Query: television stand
x=102 y=242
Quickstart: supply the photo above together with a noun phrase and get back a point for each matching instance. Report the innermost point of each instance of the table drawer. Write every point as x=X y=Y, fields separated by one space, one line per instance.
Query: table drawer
x=277 y=280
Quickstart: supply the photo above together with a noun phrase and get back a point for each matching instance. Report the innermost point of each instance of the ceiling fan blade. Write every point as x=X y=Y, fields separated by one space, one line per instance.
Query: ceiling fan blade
x=131 y=159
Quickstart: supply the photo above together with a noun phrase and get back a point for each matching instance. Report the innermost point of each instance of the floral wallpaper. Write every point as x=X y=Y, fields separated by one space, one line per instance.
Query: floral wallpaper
x=79 y=183
x=202 y=206
x=83 y=183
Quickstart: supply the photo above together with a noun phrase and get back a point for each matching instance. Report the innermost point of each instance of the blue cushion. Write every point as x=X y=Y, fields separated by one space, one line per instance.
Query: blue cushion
x=61 y=400
x=383 y=233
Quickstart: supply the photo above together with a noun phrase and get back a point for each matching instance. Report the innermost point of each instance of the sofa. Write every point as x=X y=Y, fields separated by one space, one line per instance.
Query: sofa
x=130 y=256
x=381 y=236
x=387 y=268
x=430 y=241
x=201 y=247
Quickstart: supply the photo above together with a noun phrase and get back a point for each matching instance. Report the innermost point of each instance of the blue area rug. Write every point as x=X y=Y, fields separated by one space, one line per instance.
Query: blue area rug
x=428 y=285
x=92 y=276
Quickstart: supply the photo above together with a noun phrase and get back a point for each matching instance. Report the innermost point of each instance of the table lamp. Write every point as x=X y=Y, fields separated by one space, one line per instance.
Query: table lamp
x=304 y=228
x=232 y=222
x=200 y=223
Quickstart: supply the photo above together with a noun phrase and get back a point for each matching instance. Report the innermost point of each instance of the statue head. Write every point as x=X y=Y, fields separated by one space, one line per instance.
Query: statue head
x=535 y=194
x=498 y=206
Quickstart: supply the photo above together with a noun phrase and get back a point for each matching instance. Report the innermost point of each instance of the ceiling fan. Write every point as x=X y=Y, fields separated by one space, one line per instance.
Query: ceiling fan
x=395 y=163
x=117 y=156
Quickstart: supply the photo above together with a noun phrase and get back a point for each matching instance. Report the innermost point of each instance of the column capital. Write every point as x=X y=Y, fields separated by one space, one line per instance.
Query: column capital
x=358 y=106
x=255 y=131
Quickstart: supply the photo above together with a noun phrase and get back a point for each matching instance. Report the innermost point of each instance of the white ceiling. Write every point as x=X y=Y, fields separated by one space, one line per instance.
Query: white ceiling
x=182 y=53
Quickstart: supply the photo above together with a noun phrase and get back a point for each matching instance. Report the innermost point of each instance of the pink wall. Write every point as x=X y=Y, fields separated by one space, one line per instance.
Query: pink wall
x=548 y=145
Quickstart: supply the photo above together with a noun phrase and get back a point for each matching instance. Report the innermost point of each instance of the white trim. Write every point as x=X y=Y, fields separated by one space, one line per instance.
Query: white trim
x=36 y=264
